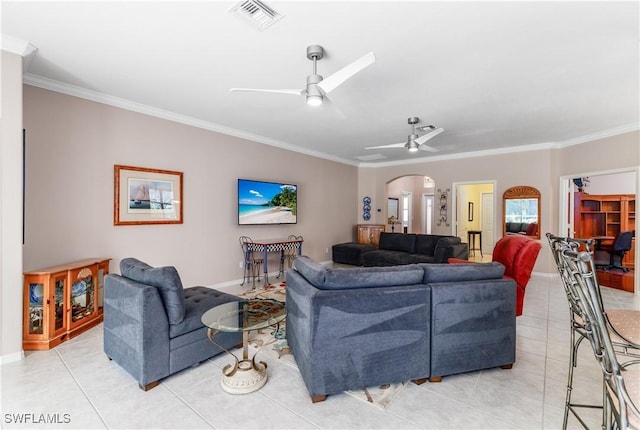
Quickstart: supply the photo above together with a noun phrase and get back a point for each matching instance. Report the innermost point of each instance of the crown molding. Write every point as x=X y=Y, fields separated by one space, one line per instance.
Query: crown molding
x=95 y=96
x=514 y=149
x=83 y=93
x=17 y=46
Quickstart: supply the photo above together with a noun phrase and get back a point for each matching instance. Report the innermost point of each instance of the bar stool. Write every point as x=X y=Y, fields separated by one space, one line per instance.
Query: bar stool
x=622 y=325
x=620 y=404
x=471 y=239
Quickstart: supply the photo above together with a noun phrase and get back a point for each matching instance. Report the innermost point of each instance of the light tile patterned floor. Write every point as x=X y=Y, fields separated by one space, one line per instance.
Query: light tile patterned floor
x=77 y=382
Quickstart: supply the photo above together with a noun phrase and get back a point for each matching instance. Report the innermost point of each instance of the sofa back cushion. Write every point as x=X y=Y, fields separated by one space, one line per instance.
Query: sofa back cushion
x=397 y=242
x=440 y=251
x=426 y=243
x=360 y=277
x=462 y=272
x=165 y=279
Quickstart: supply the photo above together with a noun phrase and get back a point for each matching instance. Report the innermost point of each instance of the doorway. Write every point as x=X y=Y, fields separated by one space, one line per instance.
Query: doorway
x=613 y=182
x=415 y=195
x=474 y=210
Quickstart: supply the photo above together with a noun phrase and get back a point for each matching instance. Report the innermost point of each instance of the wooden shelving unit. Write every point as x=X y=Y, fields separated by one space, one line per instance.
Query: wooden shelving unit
x=605 y=215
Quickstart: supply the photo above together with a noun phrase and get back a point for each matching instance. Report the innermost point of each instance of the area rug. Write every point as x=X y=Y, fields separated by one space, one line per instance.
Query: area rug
x=273 y=342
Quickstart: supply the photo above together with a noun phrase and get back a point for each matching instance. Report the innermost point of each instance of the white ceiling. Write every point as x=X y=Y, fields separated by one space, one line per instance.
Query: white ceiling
x=494 y=75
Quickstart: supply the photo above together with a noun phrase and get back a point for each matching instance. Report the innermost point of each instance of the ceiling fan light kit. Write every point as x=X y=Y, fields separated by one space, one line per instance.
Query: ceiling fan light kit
x=411 y=145
x=414 y=141
x=314 y=93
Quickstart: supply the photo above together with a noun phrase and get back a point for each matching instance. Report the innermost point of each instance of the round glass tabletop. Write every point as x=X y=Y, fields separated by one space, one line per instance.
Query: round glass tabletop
x=245 y=315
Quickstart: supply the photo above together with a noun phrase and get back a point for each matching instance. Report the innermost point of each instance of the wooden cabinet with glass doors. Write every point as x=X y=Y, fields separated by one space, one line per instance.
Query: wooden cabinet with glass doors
x=60 y=302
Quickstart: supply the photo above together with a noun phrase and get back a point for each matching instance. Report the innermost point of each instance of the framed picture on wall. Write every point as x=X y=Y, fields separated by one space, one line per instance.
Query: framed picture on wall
x=470 y=212
x=146 y=196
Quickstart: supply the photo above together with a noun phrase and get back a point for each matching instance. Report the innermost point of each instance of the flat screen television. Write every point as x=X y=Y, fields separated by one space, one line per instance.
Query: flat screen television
x=261 y=202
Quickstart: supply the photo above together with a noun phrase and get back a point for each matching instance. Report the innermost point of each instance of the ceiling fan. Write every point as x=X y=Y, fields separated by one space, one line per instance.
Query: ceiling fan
x=317 y=86
x=414 y=141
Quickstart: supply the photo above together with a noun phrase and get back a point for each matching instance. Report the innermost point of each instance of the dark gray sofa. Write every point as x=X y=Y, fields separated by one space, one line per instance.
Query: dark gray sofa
x=351 y=328
x=398 y=248
x=152 y=326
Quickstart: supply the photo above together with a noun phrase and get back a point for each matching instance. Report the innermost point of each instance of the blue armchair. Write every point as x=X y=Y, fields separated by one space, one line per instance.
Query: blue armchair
x=152 y=326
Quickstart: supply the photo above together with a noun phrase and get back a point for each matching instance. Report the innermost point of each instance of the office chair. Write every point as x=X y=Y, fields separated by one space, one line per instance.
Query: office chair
x=620 y=247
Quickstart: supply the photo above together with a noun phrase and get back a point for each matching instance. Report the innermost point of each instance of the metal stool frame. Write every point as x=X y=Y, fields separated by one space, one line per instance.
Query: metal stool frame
x=577 y=319
x=251 y=262
x=582 y=283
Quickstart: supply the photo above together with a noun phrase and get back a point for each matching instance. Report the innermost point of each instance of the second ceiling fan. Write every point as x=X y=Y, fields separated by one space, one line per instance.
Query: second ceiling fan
x=318 y=87
x=414 y=141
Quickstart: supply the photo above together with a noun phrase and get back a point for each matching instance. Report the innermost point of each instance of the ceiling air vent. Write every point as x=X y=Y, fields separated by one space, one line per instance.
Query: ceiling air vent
x=256 y=12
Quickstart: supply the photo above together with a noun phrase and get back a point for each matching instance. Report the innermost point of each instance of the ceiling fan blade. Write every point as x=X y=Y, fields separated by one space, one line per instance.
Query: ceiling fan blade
x=333 y=108
x=422 y=139
x=393 y=145
x=427 y=148
x=257 y=90
x=330 y=83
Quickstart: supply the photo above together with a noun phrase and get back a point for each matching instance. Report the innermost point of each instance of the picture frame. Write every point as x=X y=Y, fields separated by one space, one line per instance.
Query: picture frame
x=470 y=217
x=147 y=196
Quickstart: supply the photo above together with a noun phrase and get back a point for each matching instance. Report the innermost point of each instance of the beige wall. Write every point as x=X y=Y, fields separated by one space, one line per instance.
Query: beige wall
x=11 y=207
x=73 y=144
x=540 y=168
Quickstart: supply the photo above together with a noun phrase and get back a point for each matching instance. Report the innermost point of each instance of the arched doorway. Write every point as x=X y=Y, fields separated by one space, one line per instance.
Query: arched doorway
x=414 y=196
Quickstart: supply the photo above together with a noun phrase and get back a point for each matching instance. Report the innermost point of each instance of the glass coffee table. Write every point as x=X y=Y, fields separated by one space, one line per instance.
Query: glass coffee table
x=245 y=375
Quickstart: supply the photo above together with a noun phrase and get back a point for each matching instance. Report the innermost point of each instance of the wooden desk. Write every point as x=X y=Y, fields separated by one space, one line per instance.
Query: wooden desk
x=272 y=245
x=600 y=239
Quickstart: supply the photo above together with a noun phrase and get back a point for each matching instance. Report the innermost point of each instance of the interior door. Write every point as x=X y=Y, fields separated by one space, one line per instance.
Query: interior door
x=487 y=220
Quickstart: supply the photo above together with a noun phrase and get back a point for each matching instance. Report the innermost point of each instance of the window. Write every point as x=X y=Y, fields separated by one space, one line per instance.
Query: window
x=406 y=207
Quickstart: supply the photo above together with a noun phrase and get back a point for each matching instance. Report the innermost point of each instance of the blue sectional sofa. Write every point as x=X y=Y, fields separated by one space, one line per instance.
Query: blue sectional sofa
x=351 y=328
x=152 y=325
x=400 y=248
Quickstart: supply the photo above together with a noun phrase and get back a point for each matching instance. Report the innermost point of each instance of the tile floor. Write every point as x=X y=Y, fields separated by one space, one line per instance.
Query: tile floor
x=76 y=381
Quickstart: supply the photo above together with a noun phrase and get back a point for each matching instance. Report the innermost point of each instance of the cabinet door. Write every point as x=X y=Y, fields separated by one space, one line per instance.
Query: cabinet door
x=82 y=295
x=58 y=291
x=103 y=269
x=36 y=312
x=375 y=234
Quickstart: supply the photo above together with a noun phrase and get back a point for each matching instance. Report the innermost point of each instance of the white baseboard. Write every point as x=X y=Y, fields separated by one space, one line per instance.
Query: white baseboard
x=11 y=358
x=545 y=275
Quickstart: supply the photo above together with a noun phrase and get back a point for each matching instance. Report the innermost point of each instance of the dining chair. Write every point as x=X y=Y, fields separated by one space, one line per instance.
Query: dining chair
x=623 y=325
x=621 y=380
x=252 y=261
x=289 y=254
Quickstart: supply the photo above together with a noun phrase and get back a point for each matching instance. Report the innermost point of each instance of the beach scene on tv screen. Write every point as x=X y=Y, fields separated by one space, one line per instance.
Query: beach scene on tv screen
x=266 y=203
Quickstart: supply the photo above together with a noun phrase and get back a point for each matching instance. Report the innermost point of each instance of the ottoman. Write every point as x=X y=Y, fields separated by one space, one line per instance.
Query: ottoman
x=350 y=253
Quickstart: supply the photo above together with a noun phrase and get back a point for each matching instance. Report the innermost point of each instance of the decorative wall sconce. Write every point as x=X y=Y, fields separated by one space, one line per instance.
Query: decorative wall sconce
x=443 y=206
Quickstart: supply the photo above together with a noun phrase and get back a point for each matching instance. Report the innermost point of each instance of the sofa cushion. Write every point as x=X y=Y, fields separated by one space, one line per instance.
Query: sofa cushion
x=198 y=300
x=462 y=272
x=426 y=243
x=422 y=258
x=360 y=277
x=443 y=246
x=397 y=242
x=383 y=257
x=165 y=279
x=310 y=269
